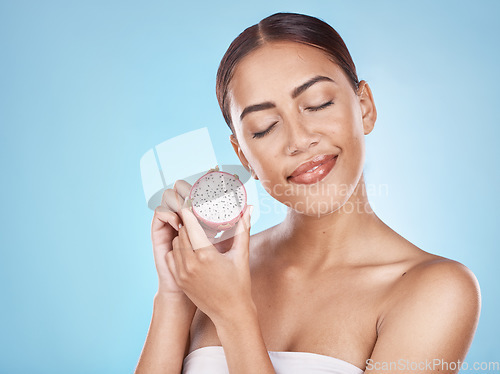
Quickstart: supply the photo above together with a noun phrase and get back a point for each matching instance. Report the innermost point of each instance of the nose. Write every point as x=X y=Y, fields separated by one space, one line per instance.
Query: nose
x=300 y=138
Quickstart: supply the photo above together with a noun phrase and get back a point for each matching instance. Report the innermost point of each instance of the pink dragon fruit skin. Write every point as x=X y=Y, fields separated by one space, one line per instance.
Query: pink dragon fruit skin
x=218 y=199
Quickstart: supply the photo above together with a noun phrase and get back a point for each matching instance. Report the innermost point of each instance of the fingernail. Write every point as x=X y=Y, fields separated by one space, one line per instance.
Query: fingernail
x=251 y=209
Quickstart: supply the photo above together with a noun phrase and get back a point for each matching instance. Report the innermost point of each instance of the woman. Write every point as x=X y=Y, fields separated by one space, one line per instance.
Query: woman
x=331 y=288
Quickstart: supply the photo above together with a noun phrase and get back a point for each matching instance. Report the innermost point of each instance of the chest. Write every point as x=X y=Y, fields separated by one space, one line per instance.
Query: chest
x=324 y=316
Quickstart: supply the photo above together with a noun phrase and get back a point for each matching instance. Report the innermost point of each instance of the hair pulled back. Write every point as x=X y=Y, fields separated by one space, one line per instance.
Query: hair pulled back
x=292 y=27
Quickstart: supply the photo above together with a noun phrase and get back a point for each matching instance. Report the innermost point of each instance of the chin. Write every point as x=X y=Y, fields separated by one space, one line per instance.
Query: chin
x=315 y=208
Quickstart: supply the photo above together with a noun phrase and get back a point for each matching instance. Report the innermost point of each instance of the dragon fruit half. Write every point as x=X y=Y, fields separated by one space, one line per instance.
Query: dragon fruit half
x=218 y=199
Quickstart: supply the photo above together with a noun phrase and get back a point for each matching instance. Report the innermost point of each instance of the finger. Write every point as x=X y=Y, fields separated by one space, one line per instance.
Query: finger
x=225 y=242
x=163 y=216
x=183 y=188
x=242 y=237
x=177 y=255
x=243 y=224
x=172 y=200
x=211 y=234
x=228 y=234
x=163 y=201
x=169 y=258
x=196 y=234
x=185 y=247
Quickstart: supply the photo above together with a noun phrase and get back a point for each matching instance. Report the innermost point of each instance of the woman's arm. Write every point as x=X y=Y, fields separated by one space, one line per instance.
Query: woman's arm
x=219 y=284
x=431 y=323
x=244 y=347
x=168 y=337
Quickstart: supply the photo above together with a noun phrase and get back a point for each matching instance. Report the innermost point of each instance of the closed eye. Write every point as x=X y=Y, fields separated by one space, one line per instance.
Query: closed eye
x=263 y=133
x=313 y=109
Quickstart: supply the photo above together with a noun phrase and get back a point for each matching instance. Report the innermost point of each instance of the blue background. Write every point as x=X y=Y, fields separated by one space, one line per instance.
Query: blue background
x=86 y=88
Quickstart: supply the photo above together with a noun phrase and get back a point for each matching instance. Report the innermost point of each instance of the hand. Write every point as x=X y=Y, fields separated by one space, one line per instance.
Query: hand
x=219 y=284
x=164 y=229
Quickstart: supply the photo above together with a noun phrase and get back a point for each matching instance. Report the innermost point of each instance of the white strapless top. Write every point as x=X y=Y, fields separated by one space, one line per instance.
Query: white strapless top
x=212 y=360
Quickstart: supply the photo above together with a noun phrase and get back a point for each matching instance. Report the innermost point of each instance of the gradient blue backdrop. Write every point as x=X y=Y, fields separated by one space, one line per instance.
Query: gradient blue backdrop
x=87 y=87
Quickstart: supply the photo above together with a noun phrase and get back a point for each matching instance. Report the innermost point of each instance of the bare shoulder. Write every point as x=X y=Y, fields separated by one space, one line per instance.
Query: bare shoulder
x=432 y=314
x=427 y=277
x=437 y=275
x=437 y=287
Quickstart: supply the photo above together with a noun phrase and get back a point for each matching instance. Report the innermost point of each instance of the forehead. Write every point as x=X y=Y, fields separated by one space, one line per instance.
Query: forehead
x=275 y=69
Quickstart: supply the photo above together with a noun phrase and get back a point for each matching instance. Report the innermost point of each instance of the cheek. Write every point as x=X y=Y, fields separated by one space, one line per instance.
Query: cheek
x=356 y=133
x=345 y=127
x=270 y=175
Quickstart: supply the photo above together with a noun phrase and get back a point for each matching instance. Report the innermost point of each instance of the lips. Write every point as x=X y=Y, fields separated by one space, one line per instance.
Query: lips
x=308 y=165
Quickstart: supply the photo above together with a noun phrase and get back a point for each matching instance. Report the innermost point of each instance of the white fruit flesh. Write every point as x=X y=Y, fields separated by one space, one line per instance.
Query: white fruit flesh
x=218 y=197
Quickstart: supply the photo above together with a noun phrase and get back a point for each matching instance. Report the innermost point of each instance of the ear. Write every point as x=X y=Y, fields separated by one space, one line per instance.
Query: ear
x=367 y=105
x=241 y=156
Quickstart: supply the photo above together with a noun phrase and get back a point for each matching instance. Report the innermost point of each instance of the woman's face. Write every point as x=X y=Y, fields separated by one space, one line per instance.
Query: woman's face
x=292 y=127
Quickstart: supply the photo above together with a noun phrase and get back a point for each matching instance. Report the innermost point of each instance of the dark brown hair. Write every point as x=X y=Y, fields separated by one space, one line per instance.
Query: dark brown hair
x=293 y=27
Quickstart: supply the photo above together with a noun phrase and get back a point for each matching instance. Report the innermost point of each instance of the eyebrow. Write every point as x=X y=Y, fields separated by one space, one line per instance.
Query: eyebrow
x=296 y=92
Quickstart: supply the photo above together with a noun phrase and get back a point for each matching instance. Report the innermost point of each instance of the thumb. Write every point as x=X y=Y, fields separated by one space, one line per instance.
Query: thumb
x=241 y=239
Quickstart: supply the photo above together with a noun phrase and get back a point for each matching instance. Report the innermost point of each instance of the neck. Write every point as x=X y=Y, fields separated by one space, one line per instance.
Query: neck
x=340 y=238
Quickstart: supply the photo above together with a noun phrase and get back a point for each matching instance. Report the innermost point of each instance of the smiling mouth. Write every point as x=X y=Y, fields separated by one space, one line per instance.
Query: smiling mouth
x=313 y=168
x=314 y=174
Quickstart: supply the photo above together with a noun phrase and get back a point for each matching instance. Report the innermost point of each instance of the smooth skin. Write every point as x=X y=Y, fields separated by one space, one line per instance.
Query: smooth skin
x=332 y=278
x=186 y=257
